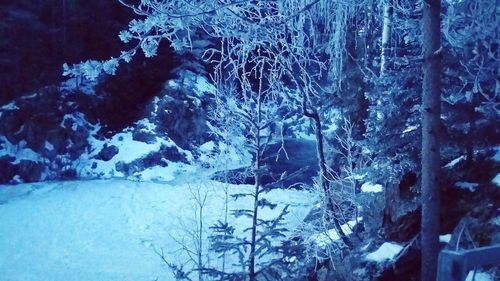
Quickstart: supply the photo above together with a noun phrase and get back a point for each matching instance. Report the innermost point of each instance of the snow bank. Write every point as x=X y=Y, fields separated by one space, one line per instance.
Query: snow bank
x=386 y=251
x=169 y=173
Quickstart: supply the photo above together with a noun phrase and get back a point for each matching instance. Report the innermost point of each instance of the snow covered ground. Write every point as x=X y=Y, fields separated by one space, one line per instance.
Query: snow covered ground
x=109 y=229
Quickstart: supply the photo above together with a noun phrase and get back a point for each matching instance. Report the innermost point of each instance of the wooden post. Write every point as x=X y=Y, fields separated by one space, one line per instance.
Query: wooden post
x=455 y=265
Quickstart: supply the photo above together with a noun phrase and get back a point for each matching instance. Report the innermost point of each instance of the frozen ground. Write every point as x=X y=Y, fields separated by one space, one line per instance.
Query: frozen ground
x=108 y=229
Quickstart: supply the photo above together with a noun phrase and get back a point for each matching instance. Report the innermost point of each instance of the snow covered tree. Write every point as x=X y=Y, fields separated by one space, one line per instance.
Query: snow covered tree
x=270 y=255
x=190 y=239
x=253 y=113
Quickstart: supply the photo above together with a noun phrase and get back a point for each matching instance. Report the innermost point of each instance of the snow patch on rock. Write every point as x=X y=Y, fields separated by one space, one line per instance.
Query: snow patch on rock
x=496 y=180
x=9 y=106
x=470 y=186
x=496 y=157
x=387 y=251
x=371 y=187
x=128 y=151
x=202 y=85
x=410 y=129
x=454 y=162
x=325 y=238
x=19 y=151
x=85 y=86
x=445 y=238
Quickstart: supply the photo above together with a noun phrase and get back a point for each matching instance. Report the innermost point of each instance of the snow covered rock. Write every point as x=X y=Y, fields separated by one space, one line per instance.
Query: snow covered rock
x=445 y=238
x=77 y=130
x=370 y=187
x=470 y=186
x=160 y=158
x=143 y=136
x=386 y=251
x=496 y=180
x=42 y=133
x=7 y=168
x=182 y=115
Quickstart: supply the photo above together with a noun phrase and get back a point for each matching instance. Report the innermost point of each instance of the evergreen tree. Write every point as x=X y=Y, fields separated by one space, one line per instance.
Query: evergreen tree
x=252 y=114
x=393 y=124
x=470 y=99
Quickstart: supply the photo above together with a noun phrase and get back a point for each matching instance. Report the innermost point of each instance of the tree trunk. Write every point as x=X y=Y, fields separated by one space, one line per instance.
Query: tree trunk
x=252 y=274
x=470 y=144
x=200 y=244
x=392 y=201
x=257 y=176
x=330 y=207
x=469 y=139
x=386 y=36
x=431 y=110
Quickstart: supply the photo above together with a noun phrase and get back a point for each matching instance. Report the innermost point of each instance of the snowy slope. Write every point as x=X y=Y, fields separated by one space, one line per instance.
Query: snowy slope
x=108 y=229
x=69 y=131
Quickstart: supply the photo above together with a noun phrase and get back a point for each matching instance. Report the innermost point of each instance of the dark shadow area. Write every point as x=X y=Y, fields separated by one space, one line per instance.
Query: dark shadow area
x=39 y=36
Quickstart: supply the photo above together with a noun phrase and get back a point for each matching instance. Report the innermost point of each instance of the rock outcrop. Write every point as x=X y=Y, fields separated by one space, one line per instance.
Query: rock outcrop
x=61 y=132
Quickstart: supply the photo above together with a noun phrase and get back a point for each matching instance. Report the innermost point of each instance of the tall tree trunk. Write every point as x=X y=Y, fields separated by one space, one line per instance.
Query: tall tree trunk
x=391 y=193
x=431 y=110
x=386 y=36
